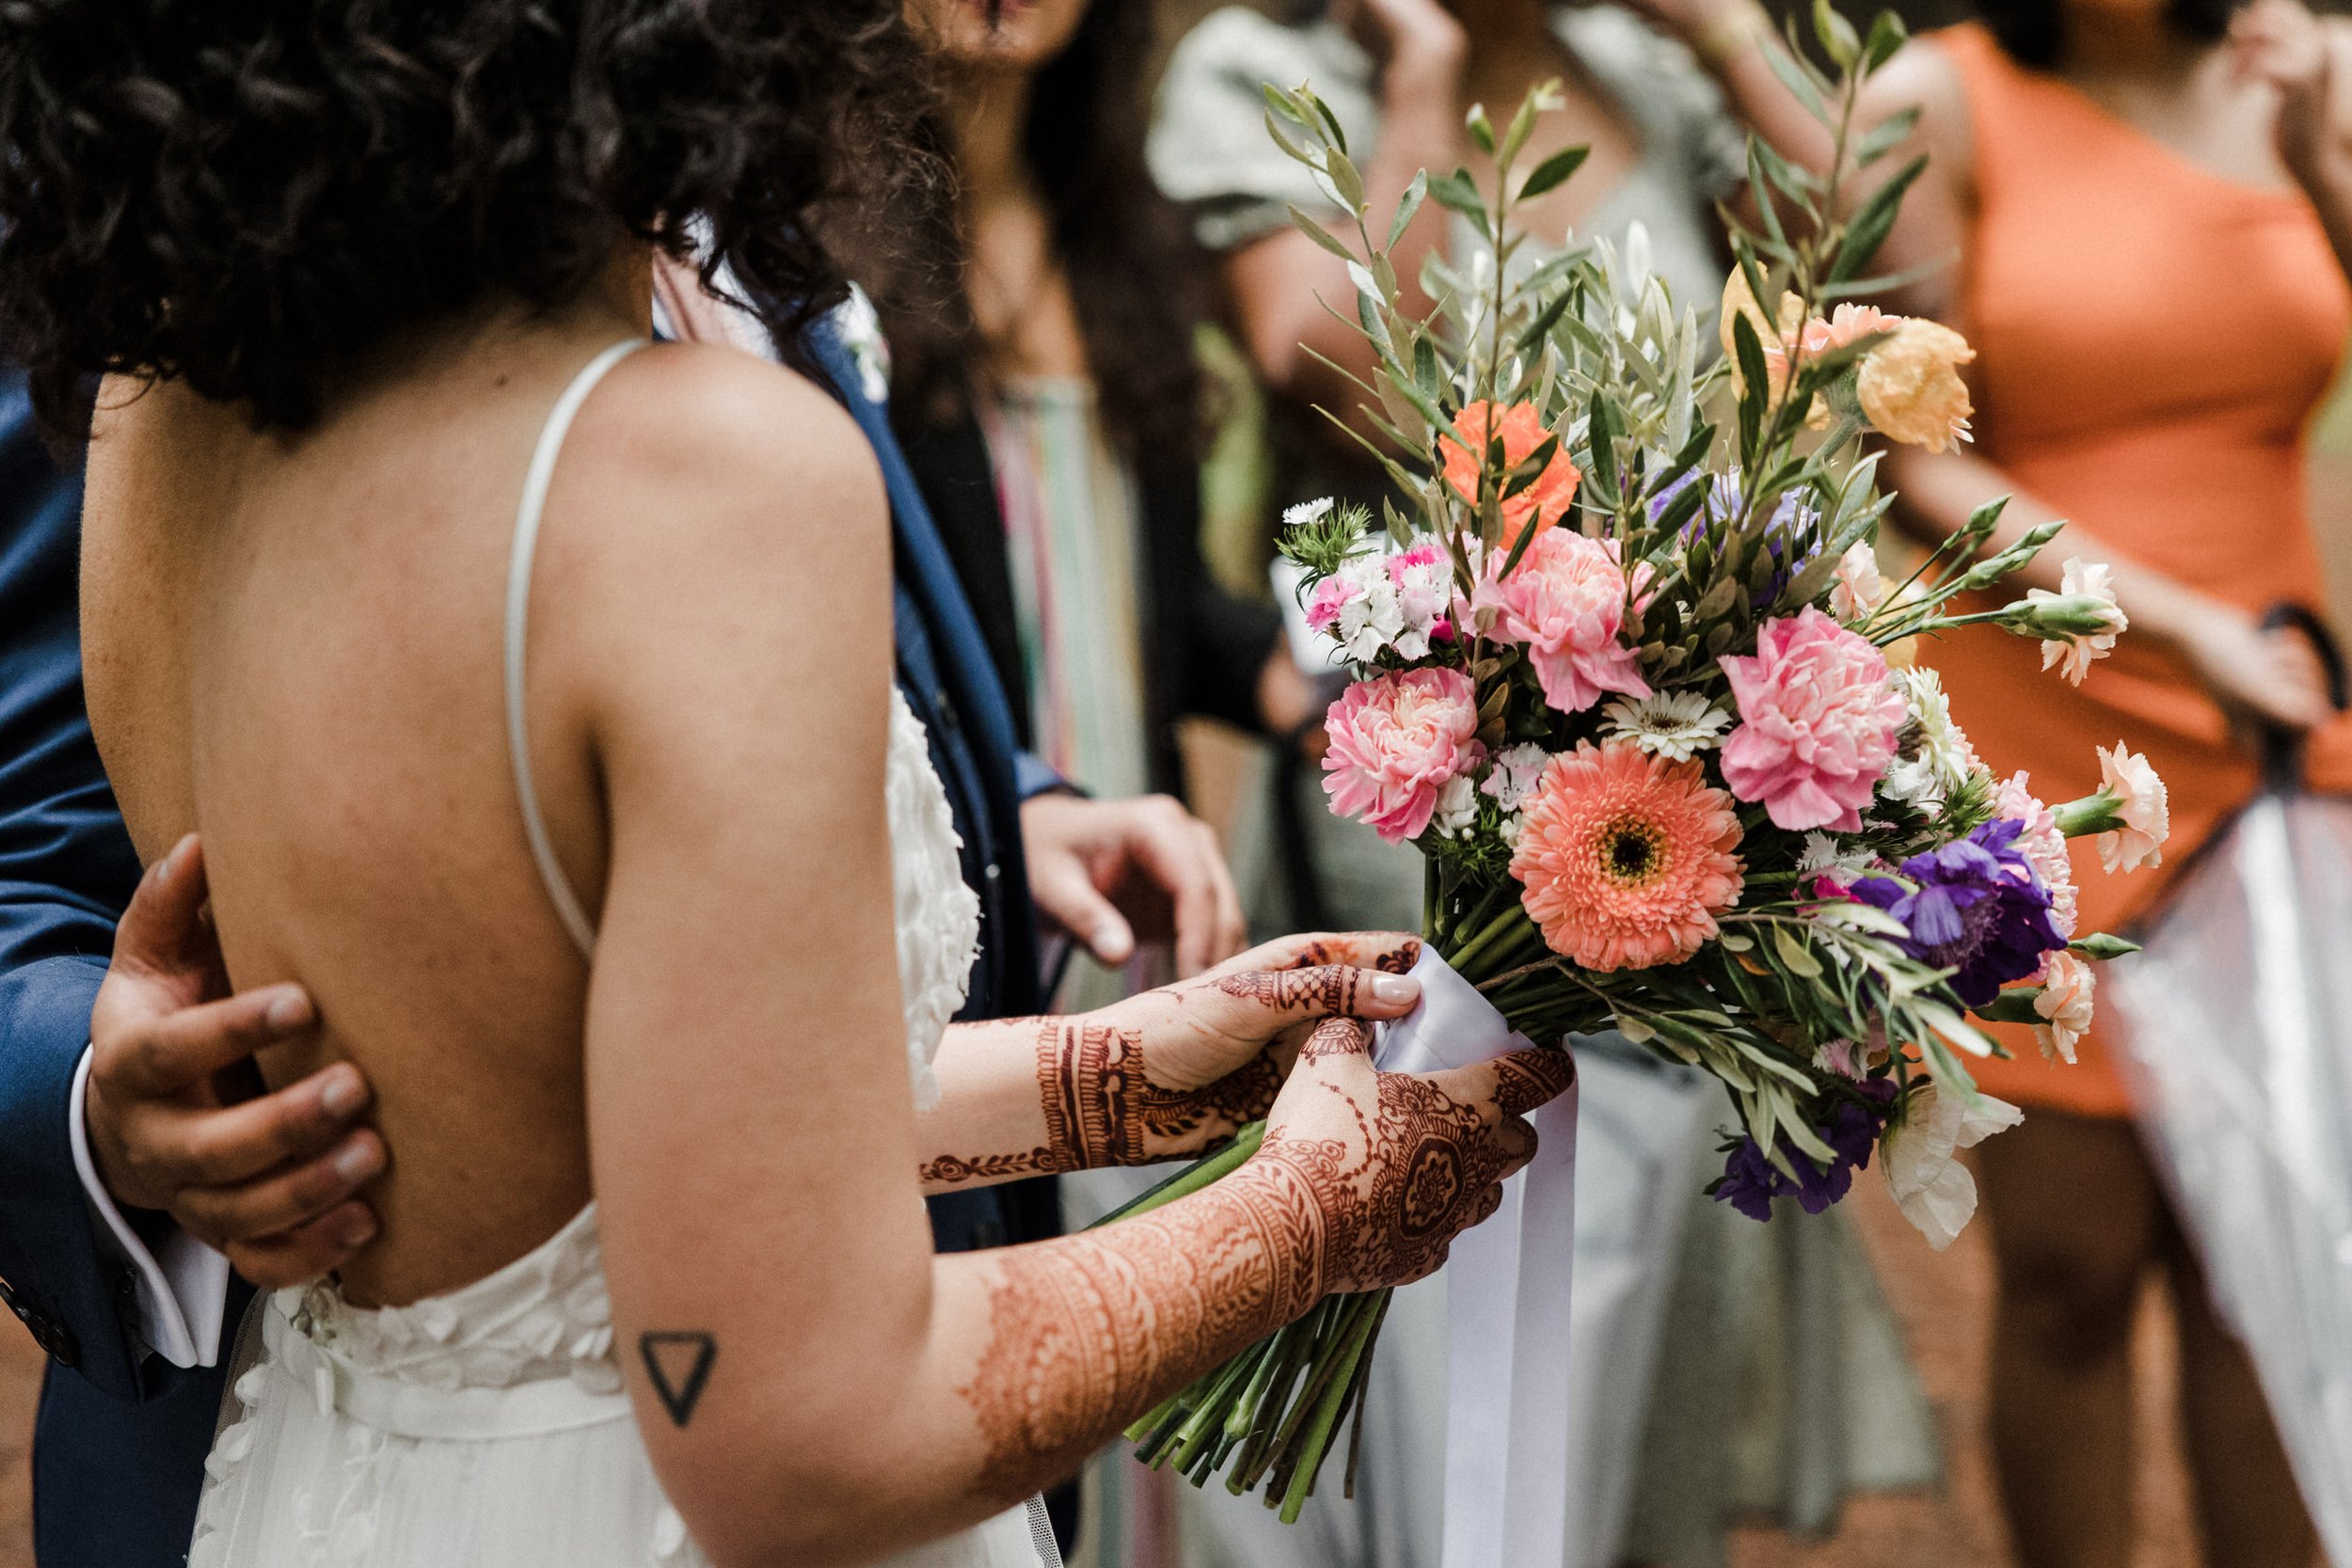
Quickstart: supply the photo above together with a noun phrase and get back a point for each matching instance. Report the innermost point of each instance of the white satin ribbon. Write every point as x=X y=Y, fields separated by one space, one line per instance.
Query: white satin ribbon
x=1506 y=1467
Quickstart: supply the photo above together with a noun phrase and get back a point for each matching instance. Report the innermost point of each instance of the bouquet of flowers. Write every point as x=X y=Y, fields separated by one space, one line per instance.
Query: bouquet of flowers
x=1623 y=677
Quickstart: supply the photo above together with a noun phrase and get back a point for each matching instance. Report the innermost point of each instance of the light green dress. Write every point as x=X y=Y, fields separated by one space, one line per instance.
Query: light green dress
x=1722 y=1369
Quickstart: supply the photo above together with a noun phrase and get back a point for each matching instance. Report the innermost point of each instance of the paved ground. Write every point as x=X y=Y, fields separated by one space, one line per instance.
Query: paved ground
x=1957 y=1530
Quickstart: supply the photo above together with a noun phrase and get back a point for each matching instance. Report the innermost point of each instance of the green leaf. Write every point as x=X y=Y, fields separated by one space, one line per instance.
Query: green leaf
x=1287 y=105
x=1340 y=170
x=1320 y=236
x=1756 y=387
x=1330 y=121
x=1554 y=171
x=1839 y=39
x=1795 y=954
x=1869 y=225
x=1540 y=329
x=1425 y=373
x=1458 y=192
x=1804 y=83
x=1482 y=130
x=1406 y=208
x=1887 y=34
x=1522 y=124
x=1885 y=136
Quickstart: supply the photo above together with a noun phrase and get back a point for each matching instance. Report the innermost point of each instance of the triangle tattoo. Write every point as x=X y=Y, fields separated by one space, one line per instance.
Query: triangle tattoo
x=680 y=1364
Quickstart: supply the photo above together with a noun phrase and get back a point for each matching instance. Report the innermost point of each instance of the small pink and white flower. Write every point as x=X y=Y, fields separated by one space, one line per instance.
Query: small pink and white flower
x=2044 y=846
x=1397 y=740
x=1423 y=580
x=1380 y=602
x=2065 y=1006
x=2085 y=579
x=2143 y=806
x=1857 y=589
x=1818 y=721
x=1564 y=603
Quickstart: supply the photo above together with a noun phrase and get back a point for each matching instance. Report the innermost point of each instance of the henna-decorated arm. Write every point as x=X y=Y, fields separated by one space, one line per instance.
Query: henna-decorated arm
x=1159 y=1076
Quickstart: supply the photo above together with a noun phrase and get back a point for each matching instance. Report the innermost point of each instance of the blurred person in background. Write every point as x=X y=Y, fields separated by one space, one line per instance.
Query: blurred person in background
x=1040 y=334
x=2152 y=205
x=1039 y=350
x=1778 y=1348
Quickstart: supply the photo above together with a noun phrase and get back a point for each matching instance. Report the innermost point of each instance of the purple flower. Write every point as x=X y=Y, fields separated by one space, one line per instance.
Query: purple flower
x=1974 y=907
x=1750 y=1181
x=1791 y=524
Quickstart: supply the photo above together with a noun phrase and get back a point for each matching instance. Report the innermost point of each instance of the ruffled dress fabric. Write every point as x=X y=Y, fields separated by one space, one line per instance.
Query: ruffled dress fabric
x=488 y=1428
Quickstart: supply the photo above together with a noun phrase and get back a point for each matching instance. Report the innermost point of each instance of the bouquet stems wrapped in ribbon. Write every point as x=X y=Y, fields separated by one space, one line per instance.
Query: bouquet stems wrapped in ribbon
x=1622 y=649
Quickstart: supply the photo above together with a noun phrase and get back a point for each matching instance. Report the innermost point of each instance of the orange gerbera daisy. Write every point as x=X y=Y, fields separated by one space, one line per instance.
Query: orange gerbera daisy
x=1625 y=859
x=1522 y=431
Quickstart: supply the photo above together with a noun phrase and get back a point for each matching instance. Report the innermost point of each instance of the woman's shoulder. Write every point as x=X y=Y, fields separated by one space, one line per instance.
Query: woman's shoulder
x=720 y=432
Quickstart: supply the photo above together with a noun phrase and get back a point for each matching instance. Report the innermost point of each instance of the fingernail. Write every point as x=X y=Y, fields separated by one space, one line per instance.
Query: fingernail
x=288 y=1010
x=358 y=1230
x=358 y=1163
x=1395 y=988
x=343 y=1092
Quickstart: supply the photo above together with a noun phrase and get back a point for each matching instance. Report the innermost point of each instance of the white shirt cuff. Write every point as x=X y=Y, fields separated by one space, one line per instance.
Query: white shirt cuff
x=181 y=1287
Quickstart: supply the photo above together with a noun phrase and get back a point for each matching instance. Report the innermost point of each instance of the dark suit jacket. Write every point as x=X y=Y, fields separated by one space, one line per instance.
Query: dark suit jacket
x=120 y=1448
x=1203 y=647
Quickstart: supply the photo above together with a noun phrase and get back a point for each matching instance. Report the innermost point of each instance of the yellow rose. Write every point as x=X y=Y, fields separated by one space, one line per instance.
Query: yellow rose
x=1910 y=387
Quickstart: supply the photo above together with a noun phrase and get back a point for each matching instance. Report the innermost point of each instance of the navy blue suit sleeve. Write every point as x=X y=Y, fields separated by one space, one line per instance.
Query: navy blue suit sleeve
x=67 y=869
x=1034 y=776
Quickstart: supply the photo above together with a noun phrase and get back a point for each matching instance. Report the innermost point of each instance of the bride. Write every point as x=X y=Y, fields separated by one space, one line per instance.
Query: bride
x=532 y=689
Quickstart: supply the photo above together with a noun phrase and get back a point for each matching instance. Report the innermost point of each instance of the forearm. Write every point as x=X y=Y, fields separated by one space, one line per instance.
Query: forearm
x=1031 y=1096
x=1938 y=491
x=1026 y=1360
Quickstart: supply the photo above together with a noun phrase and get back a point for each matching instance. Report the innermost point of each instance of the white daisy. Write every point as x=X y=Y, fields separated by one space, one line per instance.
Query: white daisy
x=1673 y=724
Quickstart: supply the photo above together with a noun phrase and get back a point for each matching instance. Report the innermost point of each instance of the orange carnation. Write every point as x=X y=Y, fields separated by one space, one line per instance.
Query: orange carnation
x=1624 y=859
x=1522 y=431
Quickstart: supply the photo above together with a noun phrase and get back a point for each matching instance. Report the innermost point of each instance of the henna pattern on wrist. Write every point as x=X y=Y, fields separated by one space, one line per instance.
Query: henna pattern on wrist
x=1103 y=1109
x=1087 y=1332
x=954 y=1170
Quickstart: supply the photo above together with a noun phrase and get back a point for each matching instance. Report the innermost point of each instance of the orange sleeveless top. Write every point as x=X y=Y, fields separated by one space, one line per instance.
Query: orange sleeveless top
x=2152 y=339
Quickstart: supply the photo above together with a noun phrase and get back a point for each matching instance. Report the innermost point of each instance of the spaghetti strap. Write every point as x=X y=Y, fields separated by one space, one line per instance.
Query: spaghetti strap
x=527 y=519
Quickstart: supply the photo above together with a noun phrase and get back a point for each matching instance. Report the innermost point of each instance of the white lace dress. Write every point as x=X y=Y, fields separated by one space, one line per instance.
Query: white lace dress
x=487 y=1428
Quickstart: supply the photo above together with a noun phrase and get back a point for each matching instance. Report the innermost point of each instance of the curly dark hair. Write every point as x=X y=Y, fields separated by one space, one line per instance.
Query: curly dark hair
x=2033 y=32
x=1136 y=279
x=254 y=194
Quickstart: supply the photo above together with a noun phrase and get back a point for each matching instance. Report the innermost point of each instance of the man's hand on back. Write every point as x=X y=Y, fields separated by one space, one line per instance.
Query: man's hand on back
x=177 y=1116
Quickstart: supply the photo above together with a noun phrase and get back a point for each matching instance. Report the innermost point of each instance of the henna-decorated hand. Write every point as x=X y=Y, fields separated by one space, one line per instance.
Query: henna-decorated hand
x=1399 y=1163
x=1166 y=1073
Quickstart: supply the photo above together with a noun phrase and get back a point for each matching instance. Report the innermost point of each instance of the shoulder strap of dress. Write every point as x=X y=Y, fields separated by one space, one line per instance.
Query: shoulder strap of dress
x=527 y=519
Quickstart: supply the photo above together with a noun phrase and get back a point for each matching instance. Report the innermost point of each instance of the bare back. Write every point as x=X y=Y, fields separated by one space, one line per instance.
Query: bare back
x=293 y=646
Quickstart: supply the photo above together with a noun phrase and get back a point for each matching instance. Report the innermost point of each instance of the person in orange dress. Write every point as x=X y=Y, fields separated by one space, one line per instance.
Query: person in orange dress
x=2152 y=204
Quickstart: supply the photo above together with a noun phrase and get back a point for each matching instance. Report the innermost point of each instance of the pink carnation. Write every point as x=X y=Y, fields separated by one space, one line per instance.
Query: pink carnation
x=1565 y=603
x=1819 y=718
x=1397 y=741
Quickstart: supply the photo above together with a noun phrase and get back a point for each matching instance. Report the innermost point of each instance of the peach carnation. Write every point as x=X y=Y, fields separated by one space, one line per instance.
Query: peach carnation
x=1819 y=718
x=1522 y=429
x=1565 y=602
x=2064 y=1007
x=1910 y=387
x=1624 y=860
x=2142 y=807
x=1397 y=740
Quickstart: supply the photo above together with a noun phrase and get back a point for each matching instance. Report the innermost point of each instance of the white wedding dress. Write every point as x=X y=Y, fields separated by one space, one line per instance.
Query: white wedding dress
x=487 y=1428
